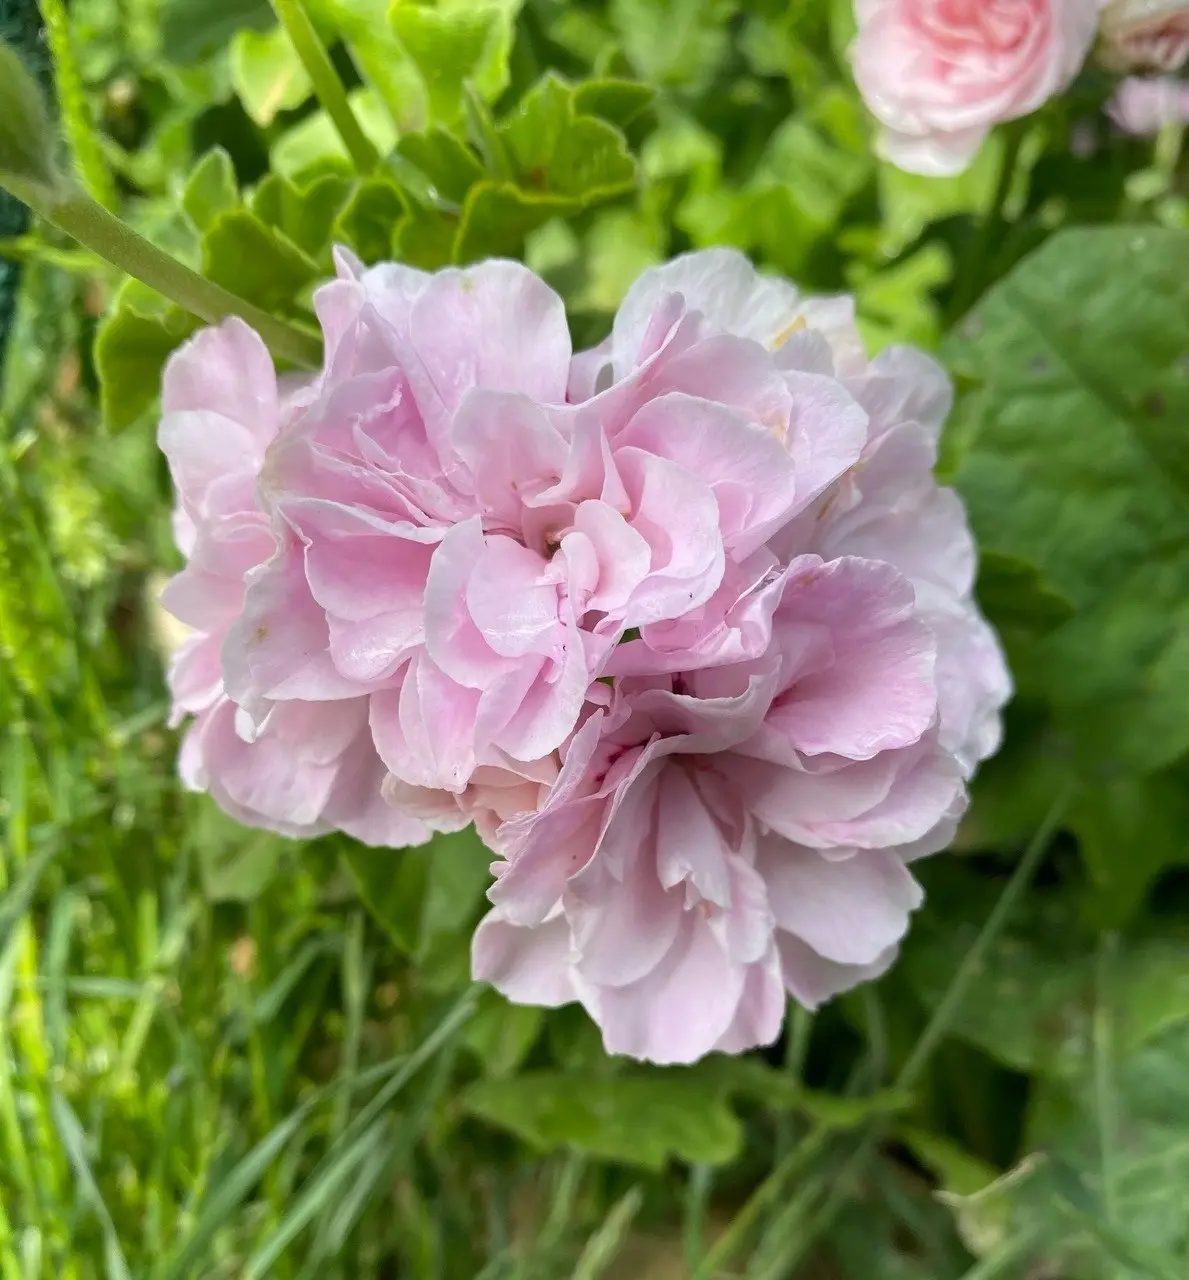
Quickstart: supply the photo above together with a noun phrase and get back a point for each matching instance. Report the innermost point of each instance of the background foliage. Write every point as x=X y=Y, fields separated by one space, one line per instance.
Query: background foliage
x=223 y=1054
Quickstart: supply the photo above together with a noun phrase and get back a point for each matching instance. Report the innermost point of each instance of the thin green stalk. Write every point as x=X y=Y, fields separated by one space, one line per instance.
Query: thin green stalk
x=74 y=107
x=325 y=79
x=797 y=1161
x=104 y=234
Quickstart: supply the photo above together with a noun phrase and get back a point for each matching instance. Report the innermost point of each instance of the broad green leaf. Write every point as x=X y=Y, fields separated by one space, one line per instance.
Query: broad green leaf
x=255 y=261
x=452 y=45
x=427 y=239
x=1129 y=830
x=423 y=896
x=500 y=1035
x=235 y=864
x=497 y=216
x=450 y=166
x=619 y=102
x=1013 y=594
x=557 y=151
x=304 y=215
x=384 y=64
x=211 y=189
x=267 y=74
x=192 y=30
x=645 y=1118
x=133 y=342
x=392 y=885
x=681 y=43
x=369 y=221
x=1073 y=461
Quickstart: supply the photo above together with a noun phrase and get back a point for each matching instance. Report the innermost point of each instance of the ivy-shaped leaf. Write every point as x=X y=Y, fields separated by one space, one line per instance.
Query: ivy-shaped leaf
x=267 y=75
x=133 y=342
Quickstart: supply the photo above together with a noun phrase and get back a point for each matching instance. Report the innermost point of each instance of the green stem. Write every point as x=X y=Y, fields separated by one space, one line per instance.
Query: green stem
x=326 y=82
x=74 y=107
x=94 y=228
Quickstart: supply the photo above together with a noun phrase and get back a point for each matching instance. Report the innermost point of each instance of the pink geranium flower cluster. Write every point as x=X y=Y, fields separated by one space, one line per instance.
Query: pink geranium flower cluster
x=684 y=624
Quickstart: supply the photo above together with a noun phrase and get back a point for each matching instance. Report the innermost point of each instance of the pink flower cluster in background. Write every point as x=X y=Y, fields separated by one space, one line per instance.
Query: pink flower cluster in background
x=684 y=624
x=938 y=75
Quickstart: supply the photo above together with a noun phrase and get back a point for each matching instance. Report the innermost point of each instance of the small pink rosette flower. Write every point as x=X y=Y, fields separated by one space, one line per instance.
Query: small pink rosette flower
x=940 y=74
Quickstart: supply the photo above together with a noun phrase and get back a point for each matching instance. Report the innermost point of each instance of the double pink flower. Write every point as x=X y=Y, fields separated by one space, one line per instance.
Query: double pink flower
x=683 y=624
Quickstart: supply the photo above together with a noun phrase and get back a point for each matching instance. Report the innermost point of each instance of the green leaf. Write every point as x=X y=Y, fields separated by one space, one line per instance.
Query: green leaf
x=1014 y=594
x=382 y=61
x=682 y=43
x=501 y=1035
x=255 y=261
x=444 y=159
x=1129 y=830
x=497 y=216
x=1150 y=1162
x=192 y=30
x=1073 y=461
x=644 y=1118
x=267 y=74
x=133 y=341
x=619 y=102
x=211 y=189
x=554 y=150
x=423 y=896
x=1031 y=1004
x=369 y=220
x=235 y=864
x=451 y=46
x=304 y=215
x=26 y=134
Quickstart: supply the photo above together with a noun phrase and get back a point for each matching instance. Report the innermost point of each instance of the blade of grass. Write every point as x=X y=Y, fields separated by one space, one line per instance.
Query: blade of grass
x=697 y=1197
x=314 y=1198
x=74 y=1142
x=607 y=1241
x=229 y=1193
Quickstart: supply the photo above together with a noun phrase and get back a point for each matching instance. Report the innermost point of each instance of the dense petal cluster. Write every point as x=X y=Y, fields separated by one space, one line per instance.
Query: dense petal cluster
x=684 y=624
x=940 y=74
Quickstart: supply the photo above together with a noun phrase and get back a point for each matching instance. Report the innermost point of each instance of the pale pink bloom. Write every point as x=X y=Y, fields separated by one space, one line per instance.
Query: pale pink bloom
x=1144 y=105
x=738 y=821
x=725 y=836
x=940 y=74
x=309 y=768
x=1145 y=35
x=466 y=546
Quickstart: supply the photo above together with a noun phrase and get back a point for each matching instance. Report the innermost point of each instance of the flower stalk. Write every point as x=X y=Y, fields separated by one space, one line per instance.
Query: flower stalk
x=327 y=86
